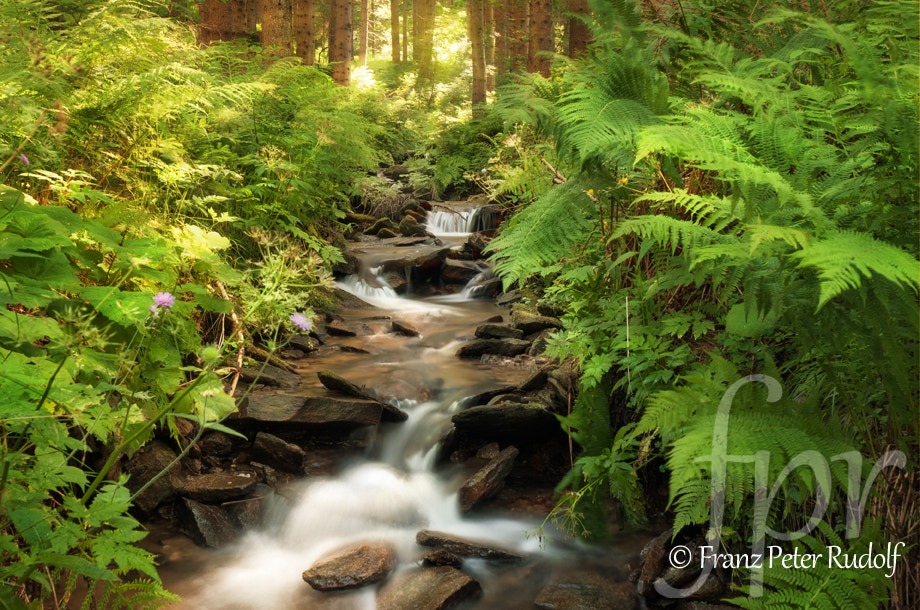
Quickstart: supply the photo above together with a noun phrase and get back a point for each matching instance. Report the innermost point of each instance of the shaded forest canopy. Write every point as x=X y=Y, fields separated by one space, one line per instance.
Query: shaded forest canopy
x=703 y=190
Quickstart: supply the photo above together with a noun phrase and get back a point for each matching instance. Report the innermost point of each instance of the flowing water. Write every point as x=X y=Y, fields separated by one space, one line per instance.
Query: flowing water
x=395 y=488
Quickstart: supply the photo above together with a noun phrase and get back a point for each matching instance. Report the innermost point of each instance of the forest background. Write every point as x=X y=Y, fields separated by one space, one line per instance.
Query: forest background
x=705 y=190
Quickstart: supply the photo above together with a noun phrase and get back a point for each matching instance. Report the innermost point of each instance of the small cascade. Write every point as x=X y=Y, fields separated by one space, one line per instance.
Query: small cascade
x=372 y=285
x=449 y=221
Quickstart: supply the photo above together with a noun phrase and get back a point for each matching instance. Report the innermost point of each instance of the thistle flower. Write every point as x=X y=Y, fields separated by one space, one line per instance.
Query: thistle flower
x=163 y=299
x=300 y=321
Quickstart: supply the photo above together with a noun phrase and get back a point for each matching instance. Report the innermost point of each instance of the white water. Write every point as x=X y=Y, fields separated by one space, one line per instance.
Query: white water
x=456 y=221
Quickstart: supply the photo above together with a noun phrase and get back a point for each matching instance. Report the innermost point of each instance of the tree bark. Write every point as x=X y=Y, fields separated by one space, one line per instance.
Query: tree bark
x=488 y=16
x=502 y=50
x=541 y=36
x=226 y=20
x=394 y=30
x=423 y=51
x=303 y=25
x=519 y=33
x=579 y=32
x=362 y=34
x=474 y=16
x=277 y=34
x=405 y=30
x=341 y=44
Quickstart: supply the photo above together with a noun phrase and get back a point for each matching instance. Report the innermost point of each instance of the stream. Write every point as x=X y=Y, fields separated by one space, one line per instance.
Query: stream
x=397 y=485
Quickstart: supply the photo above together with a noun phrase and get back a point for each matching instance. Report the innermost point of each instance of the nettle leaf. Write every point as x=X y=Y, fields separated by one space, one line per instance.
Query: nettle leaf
x=53 y=270
x=22 y=328
x=33 y=525
x=119 y=306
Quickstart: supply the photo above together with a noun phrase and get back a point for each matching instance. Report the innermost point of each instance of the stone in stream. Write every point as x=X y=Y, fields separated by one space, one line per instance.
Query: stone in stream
x=509 y=420
x=270 y=375
x=337 y=383
x=435 y=588
x=485 y=397
x=488 y=480
x=440 y=557
x=379 y=225
x=458 y=272
x=532 y=322
x=465 y=547
x=148 y=462
x=410 y=228
x=404 y=328
x=306 y=343
x=307 y=411
x=588 y=590
x=349 y=266
x=206 y=525
x=277 y=453
x=338 y=330
x=498 y=331
x=352 y=567
x=536 y=380
x=501 y=347
x=387 y=233
x=218 y=487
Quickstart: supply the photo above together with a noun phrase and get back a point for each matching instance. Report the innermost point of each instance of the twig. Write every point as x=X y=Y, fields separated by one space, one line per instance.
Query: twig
x=238 y=330
x=557 y=177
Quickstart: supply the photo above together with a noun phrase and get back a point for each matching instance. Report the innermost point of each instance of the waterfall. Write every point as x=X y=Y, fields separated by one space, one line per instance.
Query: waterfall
x=449 y=221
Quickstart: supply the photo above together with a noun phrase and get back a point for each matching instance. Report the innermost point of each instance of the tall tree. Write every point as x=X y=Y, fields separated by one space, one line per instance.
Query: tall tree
x=474 y=20
x=277 y=33
x=405 y=29
x=423 y=43
x=502 y=33
x=341 y=43
x=226 y=20
x=362 y=33
x=519 y=33
x=394 y=30
x=488 y=18
x=579 y=32
x=541 y=36
x=303 y=25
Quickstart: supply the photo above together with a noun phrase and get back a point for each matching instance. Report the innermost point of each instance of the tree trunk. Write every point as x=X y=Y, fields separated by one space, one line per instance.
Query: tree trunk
x=474 y=19
x=502 y=50
x=424 y=39
x=277 y=35
x=341 y=44
x=519 y=33
x=225 y=20
x=488 y=16
x=303 y=24
x=405 y=30
x=541 y=36
x=394 y=31
x=579 y=32
x=362 y=34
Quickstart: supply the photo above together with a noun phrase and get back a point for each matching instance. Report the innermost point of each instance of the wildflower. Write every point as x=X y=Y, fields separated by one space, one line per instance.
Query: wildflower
x=163 y=299
x=484 y=171
x=24 y=158
x=300 y=321
x=590 y=192
x=624 y=180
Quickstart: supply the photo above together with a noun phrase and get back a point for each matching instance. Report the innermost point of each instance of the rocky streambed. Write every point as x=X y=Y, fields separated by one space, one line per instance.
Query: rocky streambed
x=404 y=455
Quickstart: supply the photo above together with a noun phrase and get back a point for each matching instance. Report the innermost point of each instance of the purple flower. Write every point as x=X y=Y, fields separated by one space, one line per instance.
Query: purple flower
x=24 y=158
x=300 y=321
x=163 y=299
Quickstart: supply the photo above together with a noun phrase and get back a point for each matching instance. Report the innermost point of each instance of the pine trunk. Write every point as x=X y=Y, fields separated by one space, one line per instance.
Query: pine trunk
x=474 y=16
x=224 y=20
x=424 y=39
x=502 y=50
x=362 y=34
x=394 y=30
x=579 y=32
x=519 y=33
x=541 y=36
x=488 y=15
x=277 y=35
x=303 y=24
x=341 y=44
x=405 y=30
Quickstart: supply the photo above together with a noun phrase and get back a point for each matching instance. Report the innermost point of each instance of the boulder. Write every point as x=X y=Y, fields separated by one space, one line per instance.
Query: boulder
x=404 y=328
x=440 y=557
x=216 y=444
x=465 y=547
x=270 y=375
x=498 y=331
x=427 y=589
x=148 y=462
x=379 y=225
x=588 y=590
x=387 y=233
x=424 y=261
x=277 y=453
x=218 y=487
x=488 y=480
x=534 y=381
x=509 y=421
x=352 y=567
x=500 y=347
x=508 y=298
x=532 y=322
x=206 y=525
x=484 y=397
x=308 y=411
x=408 y=227
x=458 y=271
x=305 y=343
x=475 y=244
x=337 y=330
x=349 y=266
x=339 y=384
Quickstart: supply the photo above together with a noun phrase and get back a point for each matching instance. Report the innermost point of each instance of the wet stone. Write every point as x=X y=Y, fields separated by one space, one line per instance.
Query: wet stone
x=536 y=380
x=404 y=328
x=488 y=481
x=435 y=588
x=508 y=420
x=440 y=557
x=531 y=322
x=498 y=331
x=146 y=464
x=579 y=590
x=269 y=449
x=206 y=525
x=270 y=375
x=218 y=487
x=308 y=411
x=465 y=547
x=337 y=383
x=337 y=330
x=500 y=347
x=352 y=568
x=305 y=343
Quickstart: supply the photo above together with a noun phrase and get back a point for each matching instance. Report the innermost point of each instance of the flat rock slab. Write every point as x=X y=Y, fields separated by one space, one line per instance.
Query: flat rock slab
x=352 y=567
x=435 y=588
x=309 y=410
x=500 y=347
x=488 y=480
x=532 y=322
x=579 y=590
x=219 y=487
x=498 y=331
x=206 y=525
x=270 y=375
x=336 y=383
x=404 y=328
x=465 y=547
x=148 y=462
x=508 y=420
x=277 y=453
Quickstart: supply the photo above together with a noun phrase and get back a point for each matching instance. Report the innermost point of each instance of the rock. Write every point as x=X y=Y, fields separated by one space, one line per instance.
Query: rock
x=538 y=342
x=337 y=330
x=218 y=487
x=465 y=547
x=536 y=380
x=506 y=299
x=308 y=410
x=379 y=225
x=392 y=413
x=501 y=347
x=488 y=452
x=352 y=349
x=269 y=449
x=304 y=342
x=217 y=444
x=387 y=233
x=498 y=331
x=404 y=328
x=458 y=271
x=361 y=219
x=653 y=557
x=408 y=227
x=339 y=384
x=395 y=172
x=410 y=385
x=509 y=421
x=488 y=289
x=581 y=590
x=488 y=481
x=427 y=589
x=270 y=375
x=425 y=261
x=531 y=322
x=352 y=568
x=510 y=397
x=148 y=462
x=475 y=244
x=485 y=397
x=349 y=266
x=206 y=525
x=496 y=319
x=440 y=557
x=248 y=514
